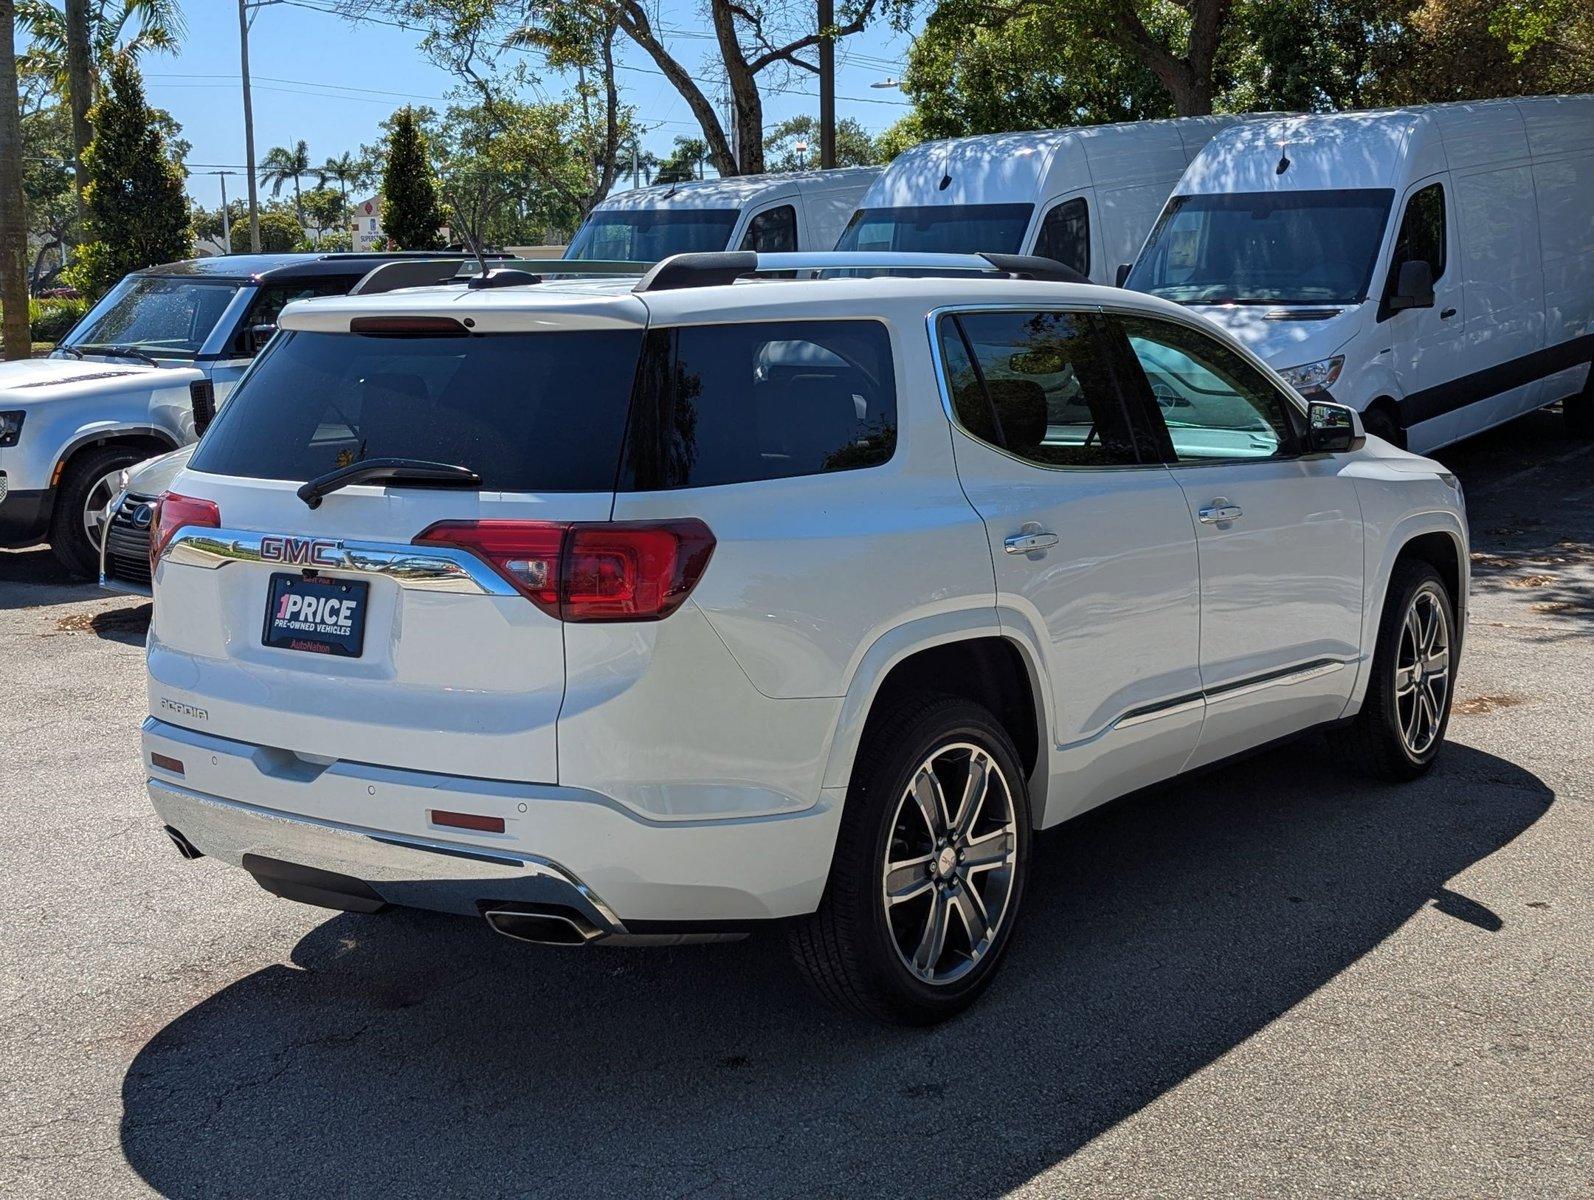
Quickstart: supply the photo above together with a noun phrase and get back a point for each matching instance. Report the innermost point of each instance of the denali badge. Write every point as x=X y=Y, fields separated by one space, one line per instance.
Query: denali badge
x=312 y=552
x=185 y=710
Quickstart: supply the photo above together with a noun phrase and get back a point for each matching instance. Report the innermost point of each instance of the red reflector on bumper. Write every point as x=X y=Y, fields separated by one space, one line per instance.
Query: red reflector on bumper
x=467 y=821
x=167 y=763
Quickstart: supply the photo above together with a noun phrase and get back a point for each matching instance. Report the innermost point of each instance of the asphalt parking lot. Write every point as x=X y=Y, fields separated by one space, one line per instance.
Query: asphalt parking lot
x=1274 y=979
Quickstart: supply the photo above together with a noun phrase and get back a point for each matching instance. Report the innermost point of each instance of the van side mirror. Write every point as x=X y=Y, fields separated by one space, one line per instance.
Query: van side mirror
x=1333 y=428
x=1123 y=274
x=1413 y=286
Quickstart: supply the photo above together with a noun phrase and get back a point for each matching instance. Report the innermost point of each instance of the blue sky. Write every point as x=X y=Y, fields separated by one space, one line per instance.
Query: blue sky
x=319 y=78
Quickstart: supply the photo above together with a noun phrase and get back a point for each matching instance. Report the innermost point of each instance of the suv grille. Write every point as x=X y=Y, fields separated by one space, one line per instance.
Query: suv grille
x=127 y=542
x=202 y=396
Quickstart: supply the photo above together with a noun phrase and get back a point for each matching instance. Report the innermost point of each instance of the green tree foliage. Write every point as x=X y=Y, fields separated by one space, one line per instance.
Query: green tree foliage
x=855 y=145
x=136 y=213
x=287 y=164
x=47 y=186
x=411 y=214
x=280 y=232
x=686 y=162
x=325 y=211
x=985 y=66
x=116 y=28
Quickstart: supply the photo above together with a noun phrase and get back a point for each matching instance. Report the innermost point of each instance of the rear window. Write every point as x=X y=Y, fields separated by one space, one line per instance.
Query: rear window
x=528 y=412
x=723 y=404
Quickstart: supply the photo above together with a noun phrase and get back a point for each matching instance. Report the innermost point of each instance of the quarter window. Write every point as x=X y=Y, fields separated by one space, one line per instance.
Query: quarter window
x=734 y=403
x=1065 y=235
x=1038 y=385
x=1216 y=406
x=773 y=231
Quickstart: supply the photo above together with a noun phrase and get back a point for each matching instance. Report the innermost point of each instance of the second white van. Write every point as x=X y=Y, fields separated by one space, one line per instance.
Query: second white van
x=1084 y=196
x=1432 y=267
x=772 y=214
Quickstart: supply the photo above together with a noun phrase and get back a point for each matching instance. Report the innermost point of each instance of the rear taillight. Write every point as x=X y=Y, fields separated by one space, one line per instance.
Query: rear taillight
x=610 y=571
x=173 y=512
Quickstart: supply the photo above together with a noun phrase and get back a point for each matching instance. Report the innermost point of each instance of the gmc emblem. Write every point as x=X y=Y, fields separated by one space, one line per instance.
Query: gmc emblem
x=304 y=552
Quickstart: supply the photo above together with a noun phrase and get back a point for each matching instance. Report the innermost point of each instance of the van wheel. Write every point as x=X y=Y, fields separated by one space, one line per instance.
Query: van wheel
x=929 y=867
x=1379 y=423
x=82 y=507
x=1401 y=726
x=1578 y=411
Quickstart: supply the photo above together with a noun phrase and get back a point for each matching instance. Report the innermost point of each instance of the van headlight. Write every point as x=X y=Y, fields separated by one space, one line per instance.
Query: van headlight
x=1314 y=376
x=11 y=427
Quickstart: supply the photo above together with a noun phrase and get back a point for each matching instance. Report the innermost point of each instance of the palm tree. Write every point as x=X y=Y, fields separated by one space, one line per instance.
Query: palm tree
x=283 y=165
x=154 y=25
x=346 y=169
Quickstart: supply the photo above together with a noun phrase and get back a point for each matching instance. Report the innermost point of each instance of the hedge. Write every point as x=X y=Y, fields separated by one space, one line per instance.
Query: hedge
x=50 y=319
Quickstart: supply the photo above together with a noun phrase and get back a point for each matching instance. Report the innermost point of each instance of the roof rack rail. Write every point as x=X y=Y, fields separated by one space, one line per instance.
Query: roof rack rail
x=406 y=272
x=714 y=268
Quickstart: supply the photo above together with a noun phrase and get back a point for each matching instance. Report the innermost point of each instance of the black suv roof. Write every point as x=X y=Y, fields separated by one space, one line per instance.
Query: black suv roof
x=286 y=267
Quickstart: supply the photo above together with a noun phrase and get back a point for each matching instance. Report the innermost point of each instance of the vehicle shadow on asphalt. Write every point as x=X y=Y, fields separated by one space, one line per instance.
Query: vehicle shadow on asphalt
x=409 y=1054
x=33 y=578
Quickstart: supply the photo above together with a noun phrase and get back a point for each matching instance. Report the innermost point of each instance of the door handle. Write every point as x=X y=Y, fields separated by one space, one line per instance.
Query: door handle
x=1029 y=543
x=1220 y=514
x=1447 y=314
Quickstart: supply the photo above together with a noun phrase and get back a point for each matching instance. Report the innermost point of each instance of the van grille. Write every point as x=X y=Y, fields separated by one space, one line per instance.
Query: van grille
x=127 y=543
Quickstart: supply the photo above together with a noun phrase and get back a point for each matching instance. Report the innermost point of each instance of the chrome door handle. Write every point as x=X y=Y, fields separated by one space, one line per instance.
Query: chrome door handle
x=1029 y=543
x=1220 y=514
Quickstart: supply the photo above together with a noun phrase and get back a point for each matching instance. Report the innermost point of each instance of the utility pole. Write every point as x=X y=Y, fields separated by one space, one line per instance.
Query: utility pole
x=827 y=84
x=79 y=87
x=226 y=217
x=249 y=133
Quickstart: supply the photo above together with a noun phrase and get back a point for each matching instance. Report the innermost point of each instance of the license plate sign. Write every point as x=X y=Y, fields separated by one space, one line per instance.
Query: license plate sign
x=316 y=615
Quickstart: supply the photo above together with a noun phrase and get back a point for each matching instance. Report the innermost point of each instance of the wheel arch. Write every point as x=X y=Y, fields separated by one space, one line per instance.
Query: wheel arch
x=969 y=654
x=138 y=437
x=1437 y=538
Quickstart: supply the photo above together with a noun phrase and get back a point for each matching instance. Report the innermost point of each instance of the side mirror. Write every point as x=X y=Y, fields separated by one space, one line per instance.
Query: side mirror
x=1123 y=274
x=256 y=337
x=1413 y=286
x=1333 y=428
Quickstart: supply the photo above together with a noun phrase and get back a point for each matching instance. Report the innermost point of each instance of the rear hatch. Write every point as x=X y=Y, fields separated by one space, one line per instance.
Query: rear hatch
x=325 y=631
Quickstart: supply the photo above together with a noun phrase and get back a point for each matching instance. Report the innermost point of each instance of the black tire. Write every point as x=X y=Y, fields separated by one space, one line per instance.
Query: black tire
x=1379 y=423
x=73 y=547
x=1374 y=741
x=1578 y=411
x=848 y=949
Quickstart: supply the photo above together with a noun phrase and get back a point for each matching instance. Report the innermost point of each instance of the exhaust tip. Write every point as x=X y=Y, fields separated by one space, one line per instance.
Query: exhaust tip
x=184 y=847
x=551 y=925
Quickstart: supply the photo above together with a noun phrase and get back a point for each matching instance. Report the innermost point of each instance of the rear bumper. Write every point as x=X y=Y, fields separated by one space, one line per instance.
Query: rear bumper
x=374 y=824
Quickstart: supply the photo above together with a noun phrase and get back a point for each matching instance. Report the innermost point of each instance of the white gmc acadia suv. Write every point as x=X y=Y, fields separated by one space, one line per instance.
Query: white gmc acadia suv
x=673 y=608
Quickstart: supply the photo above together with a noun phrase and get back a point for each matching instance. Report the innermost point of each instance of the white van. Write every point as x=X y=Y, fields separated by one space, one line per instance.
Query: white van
x=794 y=210
x=1432 y=267
x=1084 y=196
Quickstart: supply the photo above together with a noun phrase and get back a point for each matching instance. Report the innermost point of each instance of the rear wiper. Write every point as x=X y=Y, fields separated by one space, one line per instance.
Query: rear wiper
x=414 y=471
x=72 y=350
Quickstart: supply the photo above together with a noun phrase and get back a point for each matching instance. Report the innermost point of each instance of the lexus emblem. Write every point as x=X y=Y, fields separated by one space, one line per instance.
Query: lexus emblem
x=143 y=515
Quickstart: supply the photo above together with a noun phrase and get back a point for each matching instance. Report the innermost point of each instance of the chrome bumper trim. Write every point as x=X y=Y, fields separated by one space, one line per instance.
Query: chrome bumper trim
x=407 y=871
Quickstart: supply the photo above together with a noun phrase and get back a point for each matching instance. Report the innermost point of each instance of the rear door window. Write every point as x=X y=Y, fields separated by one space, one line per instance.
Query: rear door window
x=528 y=412
x=1039 y=385
x=721 y=404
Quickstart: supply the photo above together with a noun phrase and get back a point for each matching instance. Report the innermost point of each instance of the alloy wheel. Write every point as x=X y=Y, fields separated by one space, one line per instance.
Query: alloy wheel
x=1422 y=672
x=947 y=881
x=97 y=506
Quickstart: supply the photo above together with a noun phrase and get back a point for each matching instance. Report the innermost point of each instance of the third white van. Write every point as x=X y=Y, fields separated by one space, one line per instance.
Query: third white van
x=1432 y=267
x=1084 y=196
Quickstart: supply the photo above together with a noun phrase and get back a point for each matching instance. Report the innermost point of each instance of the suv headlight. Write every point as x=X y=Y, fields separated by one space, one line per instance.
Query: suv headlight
x=11 y=427
x=1314 y=375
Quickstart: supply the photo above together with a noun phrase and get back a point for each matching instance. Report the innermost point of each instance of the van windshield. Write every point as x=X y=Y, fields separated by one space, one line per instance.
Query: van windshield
x=528 y=412
x=650 y=234
x=1265 y=247
x=939 y=229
